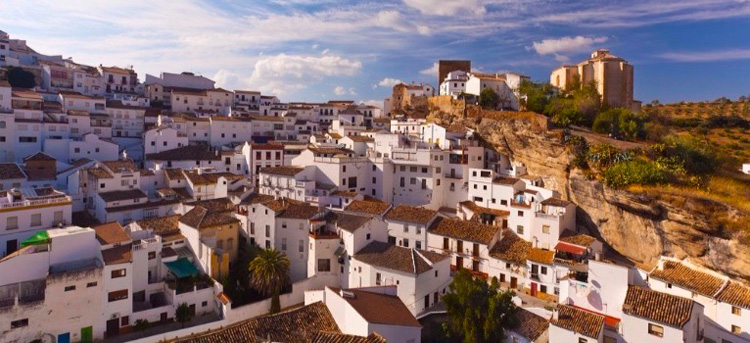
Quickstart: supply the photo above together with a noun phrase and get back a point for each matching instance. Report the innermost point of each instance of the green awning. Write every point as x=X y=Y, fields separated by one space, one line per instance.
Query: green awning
x=40 y=237
x=182 y=268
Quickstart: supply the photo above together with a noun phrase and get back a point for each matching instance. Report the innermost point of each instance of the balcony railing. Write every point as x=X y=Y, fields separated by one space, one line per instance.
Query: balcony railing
x=36 y=202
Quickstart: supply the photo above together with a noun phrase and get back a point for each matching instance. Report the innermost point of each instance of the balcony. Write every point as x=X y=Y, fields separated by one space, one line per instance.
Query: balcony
x=35 y=202
x=545 y=215
x=145 y=243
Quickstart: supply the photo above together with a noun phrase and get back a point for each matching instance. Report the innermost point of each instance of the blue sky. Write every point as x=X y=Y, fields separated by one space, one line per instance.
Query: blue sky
x=314 y=50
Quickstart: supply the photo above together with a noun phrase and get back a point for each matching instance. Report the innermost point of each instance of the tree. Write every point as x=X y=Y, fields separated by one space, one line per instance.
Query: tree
x=183 y=314
x=488 y=99
x=479 y=312
x=141 y=325
x=270 y=273
x=619 y=122
x=535 y=96
x=18 y=77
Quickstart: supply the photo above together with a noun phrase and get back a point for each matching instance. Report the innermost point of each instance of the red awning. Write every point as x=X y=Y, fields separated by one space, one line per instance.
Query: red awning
x=571 y=248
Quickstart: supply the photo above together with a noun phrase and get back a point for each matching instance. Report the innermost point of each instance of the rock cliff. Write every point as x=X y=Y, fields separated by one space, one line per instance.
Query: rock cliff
x=638 y=226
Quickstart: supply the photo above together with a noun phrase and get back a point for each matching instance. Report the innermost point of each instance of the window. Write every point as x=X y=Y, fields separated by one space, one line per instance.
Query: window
x=544 y=271
x=446 y=243
x=418 y=244
x=117 y=295
x=545 y=229
x=403 y=183
x=204 y=304
x=582 y=340
x=118 y=273
x=124 y=321
x=301 y=245
x=324 y=265
x=70 y=288
x=736 y=311
x=151 y=255
x=36 y=219
x=736 y=330
x=413 y=181
x=368 y=237
x=283 y=244
x=91 y=284
x=519 y=229
x=520 y=213
x=12 y=223
x=19 y=323
x=268 y=231
x=378 y=279
x=655 y=330
x=424 y=183
x=406 y=228
x=406 y=243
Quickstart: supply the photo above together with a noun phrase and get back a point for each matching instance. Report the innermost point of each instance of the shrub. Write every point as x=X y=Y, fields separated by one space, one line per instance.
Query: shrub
x=619 y=122
x=141 y=325
x=635 y=172
x=488 y=99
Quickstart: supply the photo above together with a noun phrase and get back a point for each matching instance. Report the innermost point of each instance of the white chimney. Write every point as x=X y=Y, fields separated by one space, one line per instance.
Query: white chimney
x=597 y=256
x=555 y=314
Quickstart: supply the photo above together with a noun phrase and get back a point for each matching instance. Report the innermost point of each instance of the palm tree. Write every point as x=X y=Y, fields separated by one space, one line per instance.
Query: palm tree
x=270 y=273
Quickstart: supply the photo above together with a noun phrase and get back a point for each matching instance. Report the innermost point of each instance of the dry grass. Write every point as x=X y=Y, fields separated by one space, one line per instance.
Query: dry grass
x=700 y=110
x=732 y=191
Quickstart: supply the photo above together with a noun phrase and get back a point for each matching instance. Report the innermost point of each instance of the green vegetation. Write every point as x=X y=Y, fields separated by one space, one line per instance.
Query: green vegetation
x=183 y=314
x=618 y=122
x=638 y=171
x=488 y=99
x=270 y=274
x=17 y=77
x=478 y=311
x=141 y=325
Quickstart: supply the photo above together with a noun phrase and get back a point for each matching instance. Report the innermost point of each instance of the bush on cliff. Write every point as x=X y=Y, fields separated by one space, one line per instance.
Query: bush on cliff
x=636 y=171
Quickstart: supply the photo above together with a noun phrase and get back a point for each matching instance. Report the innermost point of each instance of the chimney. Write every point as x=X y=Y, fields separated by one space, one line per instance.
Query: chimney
x=597 y=256
x=555 y=314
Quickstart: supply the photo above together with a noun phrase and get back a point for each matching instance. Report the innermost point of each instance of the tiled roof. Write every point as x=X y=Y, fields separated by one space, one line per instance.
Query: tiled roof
x=583 y=322
x=735 y=294
x=162 y=226
x=282 y=170
x=368 y=206
x=214 y=205
x=332 y=337
x=511 y=248
x=266 y=146
x=197 y=178
x=10 y=171
x=657 y=306
x=529 y=324
x=117 y=255
x=122 y=195
x=100 y=173
x=345 y=194
x=331 y=151
x=379 y=308
x=174 y=173
x=39 y=156
x=298 y=325
x=111 y=233
x=120 y=166
x=697 y=281
x=505 y=180
x=362 y=139
x=581 y=239
x=256 y=198
x=555 y=202
x=410 y=214
x=541 y=255
x=201 y=218
x=348 y=222
x=185 y=153
x=299 y=211
x=478 y=210
x=408 y=260
x=464 y=230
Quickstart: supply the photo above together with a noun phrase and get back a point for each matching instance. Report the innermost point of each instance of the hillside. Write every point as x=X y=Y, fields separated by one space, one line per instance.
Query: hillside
x=638 y=222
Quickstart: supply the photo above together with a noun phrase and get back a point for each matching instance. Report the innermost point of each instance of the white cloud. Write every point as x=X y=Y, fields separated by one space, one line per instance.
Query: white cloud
x=707 y=56
x=555 y=46
x=315 y=46
x=432 y=71
x=446 y=8
x=341 y=90
x=394 y=20
x=389 y=82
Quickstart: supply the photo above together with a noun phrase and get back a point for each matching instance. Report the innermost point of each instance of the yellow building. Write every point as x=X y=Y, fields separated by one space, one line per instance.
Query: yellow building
x=213 y=237
x=613 y=77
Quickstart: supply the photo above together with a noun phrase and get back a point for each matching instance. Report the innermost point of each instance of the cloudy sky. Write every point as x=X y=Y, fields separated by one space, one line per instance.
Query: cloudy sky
x=313 y=50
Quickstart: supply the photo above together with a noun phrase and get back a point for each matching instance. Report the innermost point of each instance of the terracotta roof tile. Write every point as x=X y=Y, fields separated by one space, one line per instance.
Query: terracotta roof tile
x=657 y=306
x=688 y=278
x=464 y=230
x=162 y=226
x=213 y=205
x=185 y=153
x=511 y=248
x=298 y=325
x=117 y=255
x=505 y=181
x=529 y=324
x=111 y=233
x=348 y=222
x=379 y=308
x=735 y=294
x=584 y=322
x=368 y=207
x=127 y=166
x=100 y=173
x=581 y=239
x=555 y=202
x=411 y=214
x=282 y=170
x=201 y=218
x=479 y=210
x=256 y=198
x=174 y=173
x=122 y=195
x=9 y=171
x=408 y=260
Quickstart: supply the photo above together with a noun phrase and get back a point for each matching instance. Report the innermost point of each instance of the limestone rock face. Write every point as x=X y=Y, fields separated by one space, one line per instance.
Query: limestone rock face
x=640 y=227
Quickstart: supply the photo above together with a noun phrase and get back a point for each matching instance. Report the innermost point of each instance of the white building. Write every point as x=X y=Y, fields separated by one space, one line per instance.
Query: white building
x=651 y=316
x=571 y=324
x=420 y=276
x=28 y=210
x=454 y=84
